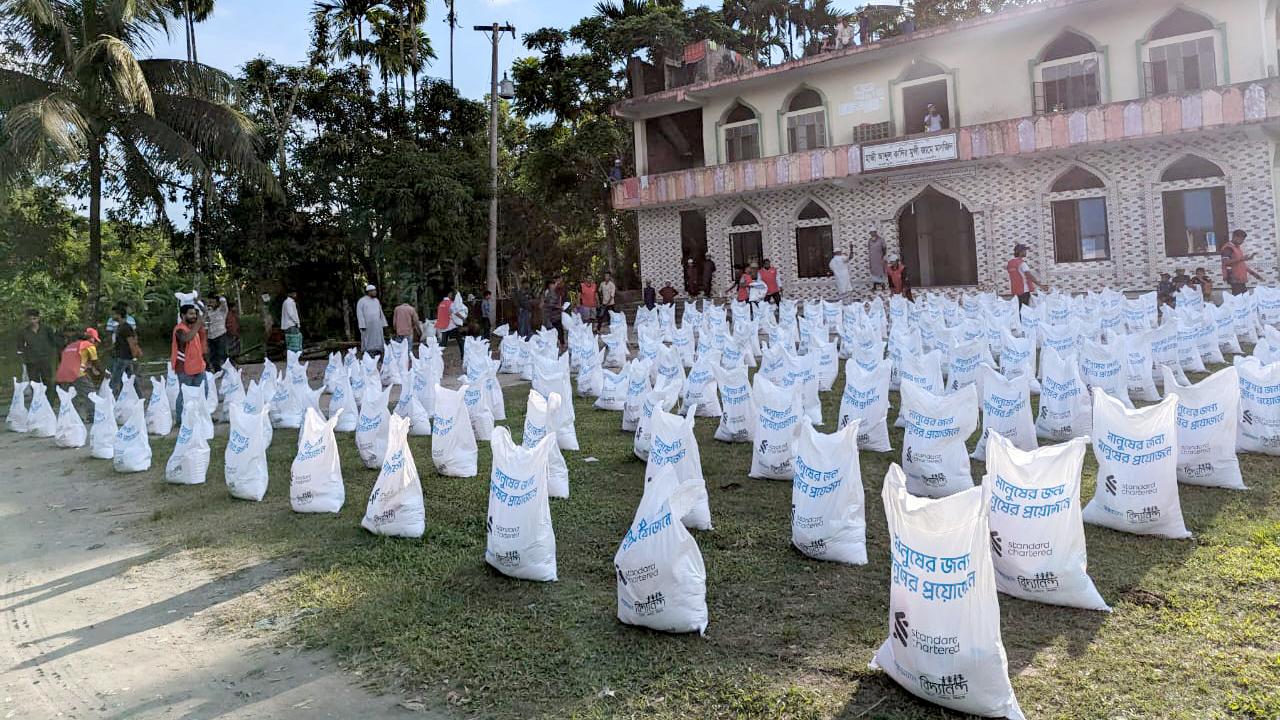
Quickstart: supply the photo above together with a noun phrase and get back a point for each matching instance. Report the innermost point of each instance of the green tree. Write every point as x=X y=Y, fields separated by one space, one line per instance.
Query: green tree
x=84 y=98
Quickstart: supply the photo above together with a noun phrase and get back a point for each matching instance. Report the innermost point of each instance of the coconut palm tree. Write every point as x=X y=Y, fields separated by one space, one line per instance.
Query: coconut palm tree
x=350 y=17
x=82 y=98
x=191 y=12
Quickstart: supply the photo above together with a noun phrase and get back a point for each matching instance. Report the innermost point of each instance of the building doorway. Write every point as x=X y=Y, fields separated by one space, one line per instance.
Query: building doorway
x=693 y=242
x=936 y=235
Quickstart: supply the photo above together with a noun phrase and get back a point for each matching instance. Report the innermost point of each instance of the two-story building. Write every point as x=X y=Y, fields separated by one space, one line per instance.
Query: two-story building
x=1117 y=138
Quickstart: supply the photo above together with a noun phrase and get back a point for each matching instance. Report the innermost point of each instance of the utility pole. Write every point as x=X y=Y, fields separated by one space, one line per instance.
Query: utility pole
x=495 y=31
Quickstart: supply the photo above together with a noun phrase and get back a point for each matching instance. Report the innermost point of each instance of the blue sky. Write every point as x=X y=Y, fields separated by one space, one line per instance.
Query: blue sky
x=243 y=29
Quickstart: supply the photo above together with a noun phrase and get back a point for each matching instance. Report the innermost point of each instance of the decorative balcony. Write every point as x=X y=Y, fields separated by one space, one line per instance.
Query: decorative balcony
x=1242 y=104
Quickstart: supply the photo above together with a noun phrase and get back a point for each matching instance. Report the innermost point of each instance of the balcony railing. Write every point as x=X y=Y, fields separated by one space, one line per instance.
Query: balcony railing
x=1227 y=106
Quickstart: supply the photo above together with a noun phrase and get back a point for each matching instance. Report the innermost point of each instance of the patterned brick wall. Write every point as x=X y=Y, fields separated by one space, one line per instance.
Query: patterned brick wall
x=1010 y=202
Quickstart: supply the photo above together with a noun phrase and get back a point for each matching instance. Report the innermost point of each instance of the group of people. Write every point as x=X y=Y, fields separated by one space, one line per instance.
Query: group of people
x=592 y=302
x=1235 y=273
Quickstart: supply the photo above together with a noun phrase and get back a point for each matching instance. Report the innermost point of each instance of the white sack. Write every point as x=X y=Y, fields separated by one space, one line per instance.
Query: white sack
x=132 y=452
x=71 y=432
x=315 y=478
x=775 y=430
x=1208 y=413
x=865 y=401
x=453 y=442
x=934 y=456
x=41 y=421
x=1006 y=409
x=102 y=433
x=245 y=459
x=520 y=540
x=395 y=505
x=827 y=507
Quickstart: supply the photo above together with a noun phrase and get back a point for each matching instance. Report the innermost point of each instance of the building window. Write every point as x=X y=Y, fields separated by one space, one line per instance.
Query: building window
x=1079 y=205
x=741 y=134
x=924 y=91
x=746 y=240
x=814 y=242
x=806 y=121
x=1181 y=54
x=869 y=132
x=1195 y=218
x=1067 y=76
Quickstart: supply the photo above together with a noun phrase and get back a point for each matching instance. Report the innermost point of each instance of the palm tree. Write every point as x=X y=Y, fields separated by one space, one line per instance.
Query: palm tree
x=86 y=100
x=350 y=16
x=191 y=12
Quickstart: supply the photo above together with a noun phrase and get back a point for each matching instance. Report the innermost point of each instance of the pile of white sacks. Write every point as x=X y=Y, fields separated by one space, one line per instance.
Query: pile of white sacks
x=959 y=366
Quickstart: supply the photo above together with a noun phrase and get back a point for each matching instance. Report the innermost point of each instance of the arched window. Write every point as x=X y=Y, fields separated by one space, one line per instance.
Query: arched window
x=1194 y=199
x=806 y=121
x=814 y=241
x=1078 y=201
x=741 y=133
x=1067 y=76
x=746 y=240
x=924 y=93
x=1181 y=53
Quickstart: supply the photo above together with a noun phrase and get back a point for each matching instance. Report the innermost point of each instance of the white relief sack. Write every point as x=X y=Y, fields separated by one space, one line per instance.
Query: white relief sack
x=1207 y=336
x=395 y=506
x=828 y=519
x=1103 y=366
x=1037 y=533
x=934 y=456
x=453 y=442
x=189 y=462
x=923 y=371
x=547 y=380
x=41 y=421
x=71 y=432
x=344 y=399
x=591 y=376
x=1064 y=399
x=541 y=411
x=775 y=430
x=102 y=433
x=1208 y=412
x=371 y=431
x=865 y=401
x=1189 y=357
x=674 y=444
x=132 y=451
x=1225 y=328
x=663 y=397
x=315 y=478
x=245 y=459
x=159 y=417
x=1018 y=358
x=520 y=541
x=1006 y=410
x=944 y=643
x=613 y=391
x=827 y=362
x=966 y=359
x=1164 y=349
x=477 y=410
x=1140 y=368
x=492 y=393
x=171 y=386
x=737 y=410
x=661 y=578
x=638 y=387
x=700 y=389
x=16 y=420
x=1137 y=456
x=1258 y=430
x=125 y=400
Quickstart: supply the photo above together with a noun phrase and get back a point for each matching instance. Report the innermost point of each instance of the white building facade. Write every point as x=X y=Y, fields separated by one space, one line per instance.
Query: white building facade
x=1117 y=138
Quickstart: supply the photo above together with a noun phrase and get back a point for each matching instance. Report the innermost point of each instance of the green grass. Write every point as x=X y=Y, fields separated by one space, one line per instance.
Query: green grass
x=1194 y=633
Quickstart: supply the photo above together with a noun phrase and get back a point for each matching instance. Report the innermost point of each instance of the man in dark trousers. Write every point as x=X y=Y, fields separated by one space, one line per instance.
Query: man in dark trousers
x=37 y=347
x=708 y=274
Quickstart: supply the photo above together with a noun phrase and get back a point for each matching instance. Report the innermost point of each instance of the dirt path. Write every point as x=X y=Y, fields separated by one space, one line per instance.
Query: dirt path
x=95 y=624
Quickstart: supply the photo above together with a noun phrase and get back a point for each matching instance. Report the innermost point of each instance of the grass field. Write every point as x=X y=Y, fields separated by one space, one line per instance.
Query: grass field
x=1195 y=631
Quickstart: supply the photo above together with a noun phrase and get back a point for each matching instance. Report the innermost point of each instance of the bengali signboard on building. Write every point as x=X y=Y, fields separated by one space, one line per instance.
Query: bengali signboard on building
x=904 y=153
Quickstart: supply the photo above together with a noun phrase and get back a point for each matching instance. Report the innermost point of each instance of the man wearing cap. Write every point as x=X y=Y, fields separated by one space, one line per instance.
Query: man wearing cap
x=78 y=368
x=1235 y=264
x=840 y=271
x=1022 y=278
x=371 y=320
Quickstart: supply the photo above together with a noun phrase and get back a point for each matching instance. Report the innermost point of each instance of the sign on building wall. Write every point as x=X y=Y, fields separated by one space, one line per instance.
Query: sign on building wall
x=904 y=153
x=867 y=98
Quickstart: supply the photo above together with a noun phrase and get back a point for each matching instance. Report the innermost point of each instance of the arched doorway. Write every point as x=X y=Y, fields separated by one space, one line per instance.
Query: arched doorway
x=936 y=235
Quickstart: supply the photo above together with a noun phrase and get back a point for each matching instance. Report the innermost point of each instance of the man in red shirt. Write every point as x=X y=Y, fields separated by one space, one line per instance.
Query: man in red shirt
x=1235 y=264
x=1022 y=279
x=769 y=276
x=186 y=350
x=587 y=300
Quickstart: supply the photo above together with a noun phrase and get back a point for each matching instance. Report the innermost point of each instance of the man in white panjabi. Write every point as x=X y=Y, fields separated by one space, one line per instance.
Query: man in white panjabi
x=840 y=269
x=372 y=321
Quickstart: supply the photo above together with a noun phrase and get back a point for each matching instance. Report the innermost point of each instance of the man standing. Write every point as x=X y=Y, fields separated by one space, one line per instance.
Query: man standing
x=932 y=119
x=692 y=283
x=608 y=291
x=587 y=300
x=875 y=261
x=486 y=310
x=290 y=325
x=1022 y=277
x=37 y=346
x=668 y=294
x=839 y=265
x=650 y=295
x=524 y=327
x=124 y=352
x=708 y=274
x=371 y=320
x=78 y=368
x=233 y=330
x=768 y=275
x=186 y=350
x=1235 y=264
x=899 y=279
x=405 y=324
x=551 y=309
x=215 y=319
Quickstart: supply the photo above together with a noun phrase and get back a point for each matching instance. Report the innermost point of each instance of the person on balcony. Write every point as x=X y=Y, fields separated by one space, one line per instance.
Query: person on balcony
x=932 y=119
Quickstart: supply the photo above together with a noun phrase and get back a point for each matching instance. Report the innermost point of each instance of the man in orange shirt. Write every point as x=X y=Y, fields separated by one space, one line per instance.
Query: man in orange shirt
x=587 y=300
x=405 y=324
x=186 y=350
x=1235 y=264
x=78 y=368
x=1022 y=279
x=769 y=276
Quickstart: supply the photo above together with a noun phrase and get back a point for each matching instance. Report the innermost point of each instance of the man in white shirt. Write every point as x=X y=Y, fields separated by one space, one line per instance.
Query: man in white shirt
x=371 y=319
x=290 y=324
x=215 y=321
x=608 y=291
x=932 y=119
x=840 y=270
